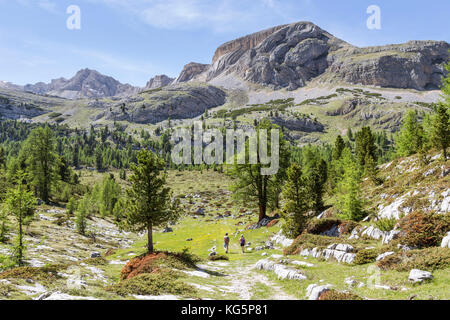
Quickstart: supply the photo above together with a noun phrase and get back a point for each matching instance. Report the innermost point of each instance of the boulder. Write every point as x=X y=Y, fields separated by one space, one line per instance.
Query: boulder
x=95 y=254
x=280 y=239
x=384 y=255
x=446 y=241
x=418 y=276
x=314 y=291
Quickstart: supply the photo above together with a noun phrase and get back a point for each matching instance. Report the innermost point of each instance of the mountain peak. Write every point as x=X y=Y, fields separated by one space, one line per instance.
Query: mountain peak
x=290 y=56
x=86 y=83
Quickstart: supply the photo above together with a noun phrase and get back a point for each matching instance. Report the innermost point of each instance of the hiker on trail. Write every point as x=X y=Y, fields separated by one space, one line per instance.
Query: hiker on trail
x=226 y=241
x=242 y=242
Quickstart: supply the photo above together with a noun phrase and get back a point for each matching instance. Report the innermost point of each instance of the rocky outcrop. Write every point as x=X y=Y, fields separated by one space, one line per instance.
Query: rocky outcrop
x=85 y=84
x=292 y=122
x=190 y=71
x=280 y=270
x=288 y=57
x=314 y=291
x=158 y=81
x=340 y=252
x=280 y=239
x=11 y=107
x=177 y=102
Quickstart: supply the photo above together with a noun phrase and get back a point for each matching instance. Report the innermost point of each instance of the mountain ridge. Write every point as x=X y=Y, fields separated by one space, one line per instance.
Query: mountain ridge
x=289 y=56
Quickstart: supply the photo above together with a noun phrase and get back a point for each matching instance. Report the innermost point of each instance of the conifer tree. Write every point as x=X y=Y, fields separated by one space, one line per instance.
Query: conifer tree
x=296 y=202
x=441 y=129
x=349 y=195
x=149 y=199
x=41 y=158
x=409 y=140
x=21 y=203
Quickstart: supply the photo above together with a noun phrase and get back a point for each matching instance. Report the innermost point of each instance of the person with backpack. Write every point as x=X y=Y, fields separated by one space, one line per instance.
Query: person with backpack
x=226 y=241
x=242 y=242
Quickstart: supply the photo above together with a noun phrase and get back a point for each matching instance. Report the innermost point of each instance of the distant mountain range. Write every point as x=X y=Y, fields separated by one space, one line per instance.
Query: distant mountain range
x=283 y=57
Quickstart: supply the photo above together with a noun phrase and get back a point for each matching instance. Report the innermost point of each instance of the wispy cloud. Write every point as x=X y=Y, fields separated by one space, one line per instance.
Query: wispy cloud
x=47 y=5
x=216 y=15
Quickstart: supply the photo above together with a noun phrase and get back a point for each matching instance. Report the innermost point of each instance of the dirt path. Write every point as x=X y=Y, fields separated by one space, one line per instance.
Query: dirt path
x=243 y=277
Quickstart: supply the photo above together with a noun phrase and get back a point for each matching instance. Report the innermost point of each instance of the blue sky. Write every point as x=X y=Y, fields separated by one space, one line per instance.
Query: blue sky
x=133 y=40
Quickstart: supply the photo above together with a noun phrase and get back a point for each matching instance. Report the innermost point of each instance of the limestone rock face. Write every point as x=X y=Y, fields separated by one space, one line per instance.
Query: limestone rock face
x=158 y=81
x=190 y=71
x=288 y=56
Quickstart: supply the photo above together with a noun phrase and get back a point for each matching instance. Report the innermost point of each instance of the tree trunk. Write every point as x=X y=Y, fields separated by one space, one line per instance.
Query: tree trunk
x=150 y=237
x=20 y=253
x=262 y=211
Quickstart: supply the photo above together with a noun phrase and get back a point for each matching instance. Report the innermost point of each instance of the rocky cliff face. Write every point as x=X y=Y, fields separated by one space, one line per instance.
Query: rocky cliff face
x=289 y=56
x=158 y=81
x=191 y=71
x=416 y=64
x=85 y=84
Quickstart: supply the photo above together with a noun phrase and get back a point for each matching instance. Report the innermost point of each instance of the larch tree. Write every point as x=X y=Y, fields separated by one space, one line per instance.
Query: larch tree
x=21 y=203
x=40 y=148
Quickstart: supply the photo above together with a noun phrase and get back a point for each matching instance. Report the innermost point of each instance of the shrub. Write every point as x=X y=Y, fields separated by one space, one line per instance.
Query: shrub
x=308 y=241
x=426 y=259
x=346 y=227
x=164 y=282
x=218 y=257
x=386 y=224
x=336 y=295
x=42 y=274
x=318 y=226
x=421 y=230
x=366 y=256
x=149 y=263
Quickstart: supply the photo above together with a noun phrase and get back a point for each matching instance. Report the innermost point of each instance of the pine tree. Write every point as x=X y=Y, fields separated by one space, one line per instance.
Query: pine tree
x=296 y=202
x=250 y=184
x=150 y=203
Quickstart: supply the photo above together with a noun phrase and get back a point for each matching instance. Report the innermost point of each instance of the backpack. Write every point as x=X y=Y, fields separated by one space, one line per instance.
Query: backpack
x=226 y=240
x=242 y=241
